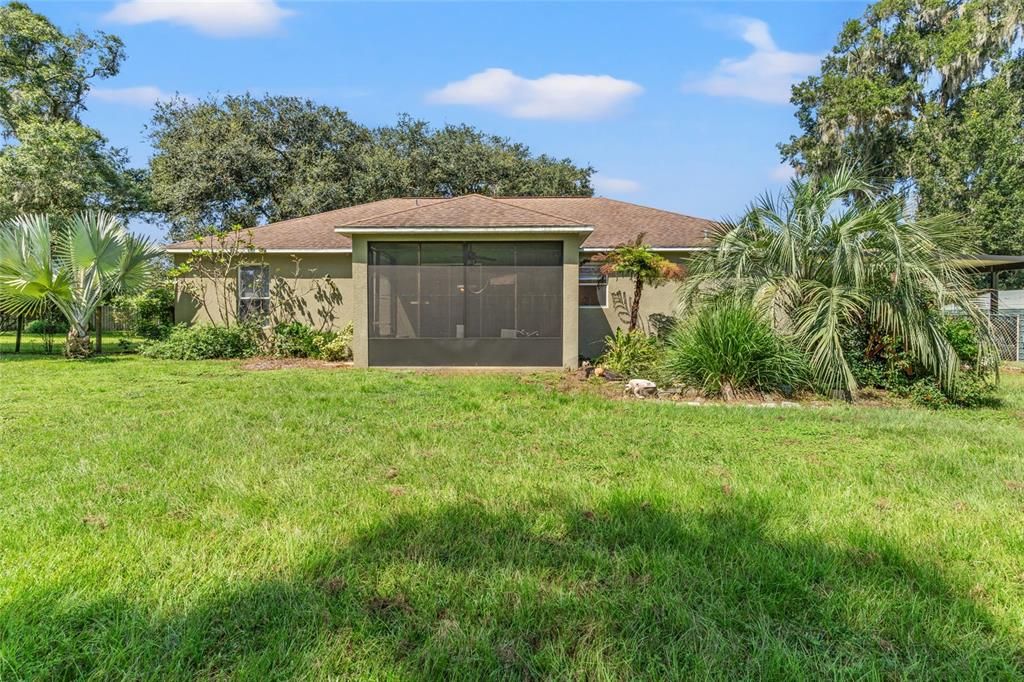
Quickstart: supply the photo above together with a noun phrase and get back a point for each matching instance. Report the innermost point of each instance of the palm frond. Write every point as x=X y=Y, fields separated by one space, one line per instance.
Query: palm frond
x=91 y=257
x=832 y=253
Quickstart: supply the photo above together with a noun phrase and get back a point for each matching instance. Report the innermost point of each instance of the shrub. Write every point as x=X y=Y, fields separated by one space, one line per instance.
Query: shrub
x=334 y=347
x=963 y=337
x=50 y=326
x=631 y=354
x=292 y=340
x=726 y=347
x=972 y=390
x=927 y=393
x=205 y=342
x=149 y=313
x=883 y=363
x=884 y=366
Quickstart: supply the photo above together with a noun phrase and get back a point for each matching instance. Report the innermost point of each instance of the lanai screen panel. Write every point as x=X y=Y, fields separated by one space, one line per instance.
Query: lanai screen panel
x=465 y=303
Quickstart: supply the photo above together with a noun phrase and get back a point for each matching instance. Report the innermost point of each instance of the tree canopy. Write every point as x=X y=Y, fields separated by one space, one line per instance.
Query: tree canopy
x=50 y=161
x=413 y=159
x=925 y=96
x=247 y=160
x=244 y=160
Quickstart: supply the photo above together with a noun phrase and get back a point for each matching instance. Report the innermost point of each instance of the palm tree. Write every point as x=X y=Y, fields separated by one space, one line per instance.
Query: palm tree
x=831 y=255
x=637 y=261
x=73 y=268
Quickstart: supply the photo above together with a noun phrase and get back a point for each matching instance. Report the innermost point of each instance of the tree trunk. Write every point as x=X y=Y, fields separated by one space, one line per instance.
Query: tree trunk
x=99 y=329
x=78 y=344
x=17 y=334
x=634 y=309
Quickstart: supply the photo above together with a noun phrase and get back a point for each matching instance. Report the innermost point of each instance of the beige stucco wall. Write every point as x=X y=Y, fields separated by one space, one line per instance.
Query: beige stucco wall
x=315 y=289
x=597 y=323
x=330 y=290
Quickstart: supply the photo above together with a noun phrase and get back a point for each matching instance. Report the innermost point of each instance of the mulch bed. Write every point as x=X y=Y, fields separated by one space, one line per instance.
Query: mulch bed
x=266 y=364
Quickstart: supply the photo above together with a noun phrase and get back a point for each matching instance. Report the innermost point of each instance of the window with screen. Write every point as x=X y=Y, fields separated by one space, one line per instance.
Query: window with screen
x=253 y=292
x=472 y=303
x=593 y=286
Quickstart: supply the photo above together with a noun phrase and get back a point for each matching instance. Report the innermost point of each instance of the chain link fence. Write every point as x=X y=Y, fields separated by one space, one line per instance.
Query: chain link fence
x=1006 y=330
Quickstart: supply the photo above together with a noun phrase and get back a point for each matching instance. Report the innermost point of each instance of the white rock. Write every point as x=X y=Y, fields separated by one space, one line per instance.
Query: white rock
x=642 y=388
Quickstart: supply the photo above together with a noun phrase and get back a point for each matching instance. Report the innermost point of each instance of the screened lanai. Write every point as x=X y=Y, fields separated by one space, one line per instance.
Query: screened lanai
x=488 y=303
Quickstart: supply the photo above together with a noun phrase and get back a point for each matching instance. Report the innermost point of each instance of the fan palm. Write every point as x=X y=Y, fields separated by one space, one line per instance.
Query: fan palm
x=831 y=255
x=73 y=268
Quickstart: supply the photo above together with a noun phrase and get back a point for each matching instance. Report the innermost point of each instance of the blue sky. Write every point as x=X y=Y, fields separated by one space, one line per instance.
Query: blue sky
x=678 y=105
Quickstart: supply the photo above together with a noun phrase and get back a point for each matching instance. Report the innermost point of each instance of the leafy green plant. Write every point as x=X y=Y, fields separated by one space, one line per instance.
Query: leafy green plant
x=292 y=340
x=726 y=347
x=927 y=393
x=334 y=347
x=148 y=313
x=975 y=389
x=884 y=363
x=47 y=326
x=962 y=334
x=631 y=353
x=205 y=342
x=831 y=255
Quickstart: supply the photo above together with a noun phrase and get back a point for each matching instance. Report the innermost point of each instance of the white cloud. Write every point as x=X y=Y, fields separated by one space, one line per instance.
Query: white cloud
x=555 y=96
x=765 y=75
x=143 y=96
x=783 y=173
x=220 y=18
x=615 y=185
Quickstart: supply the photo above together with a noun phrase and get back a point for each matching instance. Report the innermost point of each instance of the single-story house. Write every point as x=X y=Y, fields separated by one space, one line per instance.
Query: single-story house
x=464 y=281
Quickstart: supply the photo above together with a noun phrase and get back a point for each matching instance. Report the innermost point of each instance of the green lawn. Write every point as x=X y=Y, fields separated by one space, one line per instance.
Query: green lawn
x=35 y=344
x=176 y=520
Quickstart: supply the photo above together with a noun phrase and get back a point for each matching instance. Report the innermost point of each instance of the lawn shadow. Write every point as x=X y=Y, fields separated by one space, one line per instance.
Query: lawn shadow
x=629 y=589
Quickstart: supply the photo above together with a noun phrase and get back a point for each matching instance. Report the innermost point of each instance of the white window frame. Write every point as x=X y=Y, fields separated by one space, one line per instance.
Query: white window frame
x=600 y=284
x=239 y=297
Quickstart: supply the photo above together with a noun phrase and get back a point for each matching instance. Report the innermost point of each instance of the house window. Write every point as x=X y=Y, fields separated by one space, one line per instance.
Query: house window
x=253 y=292
x=593 y=286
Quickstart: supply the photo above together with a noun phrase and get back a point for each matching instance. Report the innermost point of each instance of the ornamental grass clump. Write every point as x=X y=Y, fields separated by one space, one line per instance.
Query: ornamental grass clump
x=726 y=348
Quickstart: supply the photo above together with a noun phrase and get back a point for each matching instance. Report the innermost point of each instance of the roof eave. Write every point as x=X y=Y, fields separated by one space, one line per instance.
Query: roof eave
x=666 y=249
x=257 y=250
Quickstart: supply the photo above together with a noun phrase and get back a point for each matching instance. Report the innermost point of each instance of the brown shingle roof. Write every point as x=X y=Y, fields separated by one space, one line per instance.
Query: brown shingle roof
x=316 y=232
x=470 y=210
x=614 y=222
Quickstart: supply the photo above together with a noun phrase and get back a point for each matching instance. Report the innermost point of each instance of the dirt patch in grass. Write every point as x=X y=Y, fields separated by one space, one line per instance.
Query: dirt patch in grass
x=265 y=364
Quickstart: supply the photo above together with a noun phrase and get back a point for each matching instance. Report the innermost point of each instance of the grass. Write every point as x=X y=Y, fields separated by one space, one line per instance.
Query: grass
x=34 y=344
x=179 y=520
